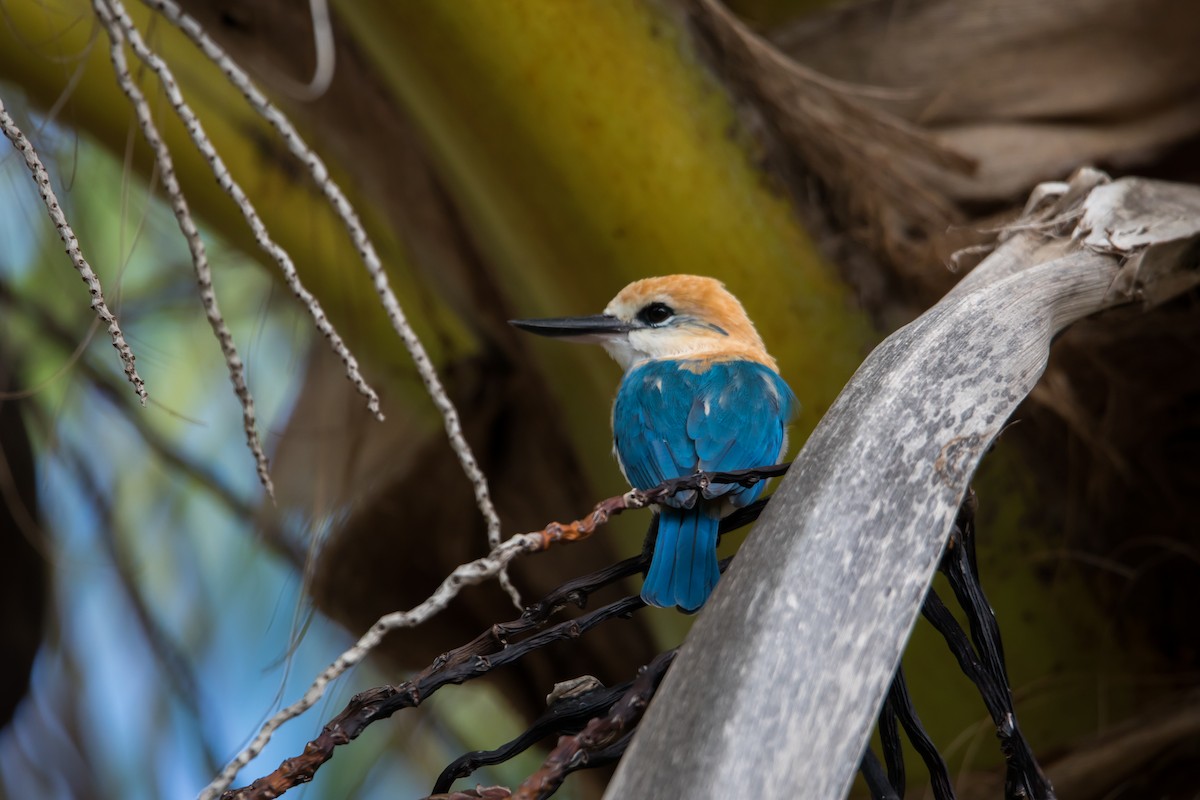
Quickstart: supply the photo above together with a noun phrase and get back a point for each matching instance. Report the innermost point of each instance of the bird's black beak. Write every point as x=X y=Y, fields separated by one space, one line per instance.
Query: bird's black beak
x=582 y=328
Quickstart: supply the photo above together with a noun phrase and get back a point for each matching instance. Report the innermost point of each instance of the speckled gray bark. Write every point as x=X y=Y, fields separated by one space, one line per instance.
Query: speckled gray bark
x=776 y=690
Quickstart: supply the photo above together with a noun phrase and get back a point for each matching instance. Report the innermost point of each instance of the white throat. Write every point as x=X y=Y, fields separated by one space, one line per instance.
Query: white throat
x=655 y=344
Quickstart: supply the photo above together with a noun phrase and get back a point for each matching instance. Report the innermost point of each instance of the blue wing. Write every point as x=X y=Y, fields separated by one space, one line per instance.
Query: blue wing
x=671 y=420
x=739 y=421
x=650 y=425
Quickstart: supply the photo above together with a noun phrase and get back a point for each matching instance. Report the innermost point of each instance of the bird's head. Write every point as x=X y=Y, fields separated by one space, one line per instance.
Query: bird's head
x=669 y=317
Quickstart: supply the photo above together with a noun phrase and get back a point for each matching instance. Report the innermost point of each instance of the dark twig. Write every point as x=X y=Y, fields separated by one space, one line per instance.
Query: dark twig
x=878 y=782
x=601 y=734
x=938 y=615
x=605 y=755
x=902 y=707
x=984 y=663
x=893 y=748
x=636 y=498
x=602 y=701
x=576 y=592
x=959 y=565
x=567 y=716
x=743 y=516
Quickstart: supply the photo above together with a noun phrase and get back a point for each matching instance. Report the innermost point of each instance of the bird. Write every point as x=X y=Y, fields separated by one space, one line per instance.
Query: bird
x=699 y=393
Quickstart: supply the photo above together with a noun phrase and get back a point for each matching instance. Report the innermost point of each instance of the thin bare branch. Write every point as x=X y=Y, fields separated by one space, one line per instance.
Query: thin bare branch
x=187 y=226
x=42 y=179
x=333 y=193
x=249 y=213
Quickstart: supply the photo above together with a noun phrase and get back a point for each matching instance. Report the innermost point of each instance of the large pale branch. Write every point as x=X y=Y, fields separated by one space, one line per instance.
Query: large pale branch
x=780 y=681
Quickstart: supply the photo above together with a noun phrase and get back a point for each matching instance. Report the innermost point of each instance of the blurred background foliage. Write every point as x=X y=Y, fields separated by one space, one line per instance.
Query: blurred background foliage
x=529 y=158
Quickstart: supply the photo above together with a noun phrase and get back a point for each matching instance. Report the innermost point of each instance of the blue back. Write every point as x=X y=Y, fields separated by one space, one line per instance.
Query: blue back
x=670 y=420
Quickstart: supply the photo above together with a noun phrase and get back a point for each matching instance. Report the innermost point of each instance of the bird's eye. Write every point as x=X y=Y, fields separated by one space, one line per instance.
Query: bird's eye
x=656 y=313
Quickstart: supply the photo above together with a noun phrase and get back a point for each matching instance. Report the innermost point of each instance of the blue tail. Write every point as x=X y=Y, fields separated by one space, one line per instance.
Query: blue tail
x=683 y=570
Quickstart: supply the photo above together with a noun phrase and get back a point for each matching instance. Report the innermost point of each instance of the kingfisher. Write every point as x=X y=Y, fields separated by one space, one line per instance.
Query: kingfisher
x=700 y=393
